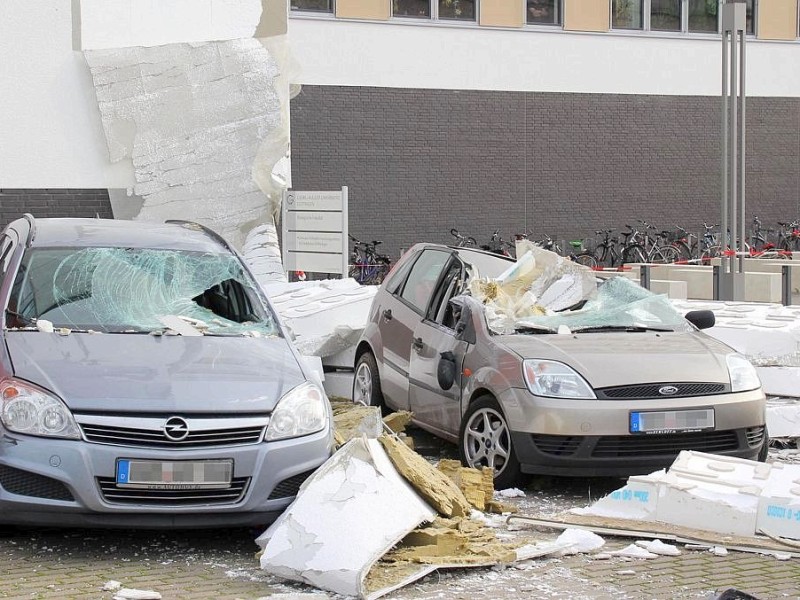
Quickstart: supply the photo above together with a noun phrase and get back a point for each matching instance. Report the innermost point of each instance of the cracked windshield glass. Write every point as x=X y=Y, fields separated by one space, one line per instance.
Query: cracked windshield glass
x=119 y=290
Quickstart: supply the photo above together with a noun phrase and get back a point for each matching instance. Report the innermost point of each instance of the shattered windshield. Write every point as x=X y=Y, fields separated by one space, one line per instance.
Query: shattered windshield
x=137 y=290
x=618 y=304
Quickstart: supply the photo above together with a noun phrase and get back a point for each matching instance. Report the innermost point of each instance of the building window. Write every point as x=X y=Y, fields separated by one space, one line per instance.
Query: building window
x=680 y=16
x=543 y=12
x=320 y=6
x=446 y=10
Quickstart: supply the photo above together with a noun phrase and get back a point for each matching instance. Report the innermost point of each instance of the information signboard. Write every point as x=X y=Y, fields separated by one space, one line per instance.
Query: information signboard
x=314 y=231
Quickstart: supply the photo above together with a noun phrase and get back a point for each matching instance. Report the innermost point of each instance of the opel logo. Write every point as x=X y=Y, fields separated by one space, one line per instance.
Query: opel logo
x=668 y=390
x=176 y=429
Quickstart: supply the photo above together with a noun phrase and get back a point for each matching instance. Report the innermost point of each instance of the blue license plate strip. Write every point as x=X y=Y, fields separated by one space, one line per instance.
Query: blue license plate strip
x=174 y=474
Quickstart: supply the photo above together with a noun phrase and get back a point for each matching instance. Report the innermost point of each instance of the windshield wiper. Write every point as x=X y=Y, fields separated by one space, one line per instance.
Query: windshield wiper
x=534 y=329
x=634 y=328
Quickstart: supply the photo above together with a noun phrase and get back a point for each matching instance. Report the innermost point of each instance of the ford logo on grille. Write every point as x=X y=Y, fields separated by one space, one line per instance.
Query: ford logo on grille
x=668 y=390
x=176 y=429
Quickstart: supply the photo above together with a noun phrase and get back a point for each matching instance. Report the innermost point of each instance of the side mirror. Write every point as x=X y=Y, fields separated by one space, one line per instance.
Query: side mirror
x=446 y=370
x=702 y=319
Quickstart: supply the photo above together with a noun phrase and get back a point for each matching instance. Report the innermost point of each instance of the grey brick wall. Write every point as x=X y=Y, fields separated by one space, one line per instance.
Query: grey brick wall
x=418 y=162
x=53 y=203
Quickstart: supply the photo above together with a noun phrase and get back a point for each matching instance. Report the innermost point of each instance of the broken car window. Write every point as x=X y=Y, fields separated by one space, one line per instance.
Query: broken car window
x=133 y=289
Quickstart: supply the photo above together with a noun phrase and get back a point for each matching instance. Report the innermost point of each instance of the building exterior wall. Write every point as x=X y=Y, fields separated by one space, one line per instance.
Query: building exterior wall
x=53 y=203
x=419 y=162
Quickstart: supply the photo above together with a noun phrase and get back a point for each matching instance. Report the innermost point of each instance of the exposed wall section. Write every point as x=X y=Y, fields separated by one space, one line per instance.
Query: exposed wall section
x=193 y=118
x=53 y=203
x=501 y=13
x=587 y=15
x=777 y=20
x=376 y=10
x=418 y=162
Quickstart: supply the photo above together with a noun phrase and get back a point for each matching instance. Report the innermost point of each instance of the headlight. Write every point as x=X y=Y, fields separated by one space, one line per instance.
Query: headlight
x=555 y=380
x=27 y=409
x=743 y=374
x=300 y=412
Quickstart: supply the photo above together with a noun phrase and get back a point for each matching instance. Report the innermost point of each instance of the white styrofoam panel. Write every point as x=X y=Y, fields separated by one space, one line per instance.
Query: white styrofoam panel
x=638 y=499
x=779 y=505
x=783 y=414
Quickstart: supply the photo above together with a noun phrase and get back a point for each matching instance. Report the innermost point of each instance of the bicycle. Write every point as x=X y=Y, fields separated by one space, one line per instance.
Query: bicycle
x=647 y=248
x=605 y=252
x=463 y=240
x=367 y=265
x=497 y=245
x=581 y=255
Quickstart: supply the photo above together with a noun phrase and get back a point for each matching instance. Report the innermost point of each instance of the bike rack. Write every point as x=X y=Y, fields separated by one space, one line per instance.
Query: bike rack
x=786 y=285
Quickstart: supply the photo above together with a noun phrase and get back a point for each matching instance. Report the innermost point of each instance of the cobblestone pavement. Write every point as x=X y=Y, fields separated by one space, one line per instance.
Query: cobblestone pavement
x=221 y=565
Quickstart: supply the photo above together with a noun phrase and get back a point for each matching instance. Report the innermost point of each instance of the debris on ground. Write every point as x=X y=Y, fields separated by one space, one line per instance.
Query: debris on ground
x=132 y=594
x=354 y=420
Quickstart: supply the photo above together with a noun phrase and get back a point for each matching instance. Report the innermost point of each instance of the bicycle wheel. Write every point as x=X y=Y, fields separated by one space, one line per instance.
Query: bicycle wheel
x=708 y=254
x=634 y=254
x=667 y=255
x=684 y=252
x=586 y=259
x=602 y=255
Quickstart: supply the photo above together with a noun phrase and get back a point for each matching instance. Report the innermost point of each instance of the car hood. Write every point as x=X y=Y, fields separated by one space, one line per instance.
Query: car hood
x=611 y=359
x=146 y=373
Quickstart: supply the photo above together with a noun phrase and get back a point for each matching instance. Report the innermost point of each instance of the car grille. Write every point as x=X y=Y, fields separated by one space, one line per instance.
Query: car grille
x=155 y=497
x=755 y=435
x=642 y=392
x=25 y=483
x=664 y=444
x=289 y=487
x=557 y=445
x=148 y=432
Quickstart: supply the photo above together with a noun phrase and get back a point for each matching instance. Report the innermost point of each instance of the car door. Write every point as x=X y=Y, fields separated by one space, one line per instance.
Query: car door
x=435 y=408
x=399 y=313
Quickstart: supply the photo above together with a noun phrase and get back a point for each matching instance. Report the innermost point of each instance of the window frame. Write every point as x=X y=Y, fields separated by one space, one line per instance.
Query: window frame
x=311 y=11
x=434 y=17
x=557 y=4
x=647 y=13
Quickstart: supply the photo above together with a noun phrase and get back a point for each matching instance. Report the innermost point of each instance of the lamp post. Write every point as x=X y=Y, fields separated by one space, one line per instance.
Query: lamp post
x=732 y=224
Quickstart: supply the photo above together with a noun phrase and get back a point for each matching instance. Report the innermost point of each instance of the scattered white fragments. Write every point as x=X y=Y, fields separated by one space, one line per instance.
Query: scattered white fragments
x=44 y=326
x=131 y=594
x=510 y=493
x=718 y=551
x=658 y=547
x=580 y=541
x=633 y=551
x=111 y=586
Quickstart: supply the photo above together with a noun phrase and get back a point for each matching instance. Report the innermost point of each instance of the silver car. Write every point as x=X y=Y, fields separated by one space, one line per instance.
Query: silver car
x=621 y=393
x=146 y=381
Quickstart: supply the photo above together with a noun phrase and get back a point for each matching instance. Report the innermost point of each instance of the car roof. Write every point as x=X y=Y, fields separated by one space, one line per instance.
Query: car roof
x=118 y=233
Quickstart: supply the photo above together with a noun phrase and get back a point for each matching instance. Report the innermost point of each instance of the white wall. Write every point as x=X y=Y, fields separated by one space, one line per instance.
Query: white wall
x=350 y=53
x=49 y=120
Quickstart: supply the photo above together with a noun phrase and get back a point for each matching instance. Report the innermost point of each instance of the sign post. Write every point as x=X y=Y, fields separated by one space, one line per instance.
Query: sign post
x=314 y=231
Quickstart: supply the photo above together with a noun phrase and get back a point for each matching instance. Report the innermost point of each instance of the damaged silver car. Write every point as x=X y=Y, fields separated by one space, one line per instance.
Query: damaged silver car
x=551 y=370
x=146 y=381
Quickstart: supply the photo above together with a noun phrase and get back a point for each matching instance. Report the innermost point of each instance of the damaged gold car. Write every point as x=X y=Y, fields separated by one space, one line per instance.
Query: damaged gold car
x=539 y=367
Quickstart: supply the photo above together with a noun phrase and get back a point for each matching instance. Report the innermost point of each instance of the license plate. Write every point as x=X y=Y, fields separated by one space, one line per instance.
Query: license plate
x=672 y=421
x=178 y=474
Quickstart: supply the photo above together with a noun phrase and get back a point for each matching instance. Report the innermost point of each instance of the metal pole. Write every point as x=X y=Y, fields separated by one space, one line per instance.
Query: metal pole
x=786 y=285
x=723 y=223
x=742 y=127
x=734 y=154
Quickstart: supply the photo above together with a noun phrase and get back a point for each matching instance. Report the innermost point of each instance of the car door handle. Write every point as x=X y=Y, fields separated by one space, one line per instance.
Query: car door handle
x=387 y=314
x=416 y=343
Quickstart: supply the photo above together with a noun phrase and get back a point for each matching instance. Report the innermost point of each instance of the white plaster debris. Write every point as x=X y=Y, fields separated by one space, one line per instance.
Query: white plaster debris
x=111 y=586
x=44 y=326
x=580 y=541
x=336 y=528
x=539 y=549
x=262 y=253
x=192 y=118
x=510 y=493
x=782 y=556
x=633 y=551
x=718 y=551
x=658 y=547
x=714 y=493
x=493 y=521
x=133 y=594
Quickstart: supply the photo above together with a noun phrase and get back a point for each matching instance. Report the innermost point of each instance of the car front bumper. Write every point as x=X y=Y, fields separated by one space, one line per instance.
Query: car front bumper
x=61 y=482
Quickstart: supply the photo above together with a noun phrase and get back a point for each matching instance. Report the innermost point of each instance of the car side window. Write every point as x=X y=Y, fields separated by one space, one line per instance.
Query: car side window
x=441 y=311
x=421 y=282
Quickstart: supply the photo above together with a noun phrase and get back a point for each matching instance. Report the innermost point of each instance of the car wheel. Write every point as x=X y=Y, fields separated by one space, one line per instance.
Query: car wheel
x=485 y=441
x=366 y=382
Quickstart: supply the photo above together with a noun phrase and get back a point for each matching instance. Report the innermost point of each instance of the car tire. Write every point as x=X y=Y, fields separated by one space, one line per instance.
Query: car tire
x=764 y=452
x=367 y=382
x=485 y=440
